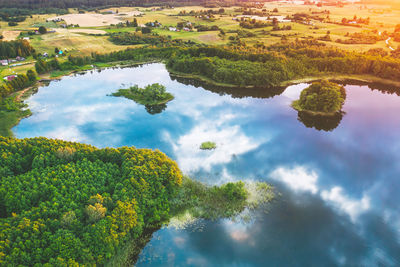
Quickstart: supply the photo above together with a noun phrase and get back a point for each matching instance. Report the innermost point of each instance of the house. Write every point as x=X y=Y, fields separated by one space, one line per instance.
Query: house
x=26 y=38
x=45 y=54
x=4 y=62
x=56 y=20
x=172 y=29
x=20 y=58
x=10 y=78
x=186 y=29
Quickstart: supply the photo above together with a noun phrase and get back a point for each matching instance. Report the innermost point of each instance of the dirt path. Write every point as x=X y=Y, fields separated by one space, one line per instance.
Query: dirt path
x=21 y=93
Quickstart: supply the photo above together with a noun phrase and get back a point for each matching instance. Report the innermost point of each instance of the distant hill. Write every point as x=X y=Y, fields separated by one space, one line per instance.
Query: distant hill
x=91 y=3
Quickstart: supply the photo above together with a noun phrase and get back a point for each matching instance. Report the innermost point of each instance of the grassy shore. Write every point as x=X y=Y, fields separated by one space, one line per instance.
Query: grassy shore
x=343 y=78
x=13 y=110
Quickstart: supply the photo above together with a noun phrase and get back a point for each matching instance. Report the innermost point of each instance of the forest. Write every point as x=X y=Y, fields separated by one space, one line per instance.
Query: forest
x=19 y=14
x=12 y=49
x=68 y=203
x=64 y=203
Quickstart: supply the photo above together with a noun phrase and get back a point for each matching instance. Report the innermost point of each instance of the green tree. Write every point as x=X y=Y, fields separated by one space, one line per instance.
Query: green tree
x=322 y=96
x=31 y=75
x=42 y=30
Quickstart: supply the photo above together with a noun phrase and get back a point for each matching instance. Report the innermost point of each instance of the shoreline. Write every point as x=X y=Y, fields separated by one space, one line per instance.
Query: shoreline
x=296 y=107
x=20 y=96
x=343 y=78
x=308 y=79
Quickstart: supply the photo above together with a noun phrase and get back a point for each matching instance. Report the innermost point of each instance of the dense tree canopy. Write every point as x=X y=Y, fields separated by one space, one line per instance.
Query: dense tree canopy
x=12 y=49
x=322 y=96
x=246 y=66
x=18 y=83
x=67 y=203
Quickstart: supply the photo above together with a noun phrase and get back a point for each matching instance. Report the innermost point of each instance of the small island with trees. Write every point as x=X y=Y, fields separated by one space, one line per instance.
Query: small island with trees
x=208 y=146
x=153 y=94
x=321 y=98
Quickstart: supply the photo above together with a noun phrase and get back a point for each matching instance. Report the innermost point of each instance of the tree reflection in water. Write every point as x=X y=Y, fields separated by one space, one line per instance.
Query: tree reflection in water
x=320 y=122
x=155 y=109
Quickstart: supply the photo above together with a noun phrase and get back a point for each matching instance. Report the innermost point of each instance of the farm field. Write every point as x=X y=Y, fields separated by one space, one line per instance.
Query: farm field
x=92 y=23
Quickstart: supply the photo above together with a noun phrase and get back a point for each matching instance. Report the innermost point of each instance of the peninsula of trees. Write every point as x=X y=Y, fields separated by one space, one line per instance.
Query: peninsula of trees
x=70 y=204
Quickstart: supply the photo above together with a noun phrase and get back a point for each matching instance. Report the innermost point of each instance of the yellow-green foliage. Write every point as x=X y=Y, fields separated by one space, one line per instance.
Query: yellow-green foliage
x=63 y=202
x=208 y=145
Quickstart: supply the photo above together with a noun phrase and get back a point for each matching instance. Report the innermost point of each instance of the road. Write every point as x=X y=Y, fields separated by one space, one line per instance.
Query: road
x=387 y=42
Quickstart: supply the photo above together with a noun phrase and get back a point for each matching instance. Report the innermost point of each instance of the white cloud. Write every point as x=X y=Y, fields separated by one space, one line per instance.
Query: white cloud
x=298 y=178
x=293 y=92
x=230 y=140
x=239 y=236
x=179 y=241
x=67 y=133
x=301 y=179
x=350 y=206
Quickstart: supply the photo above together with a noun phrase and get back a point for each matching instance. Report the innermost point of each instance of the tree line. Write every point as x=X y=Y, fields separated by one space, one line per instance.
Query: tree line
x=12 y=49
x=144 y=37
x=21 y=81
x=12 y=14
x=250 y=66
x=64 y=4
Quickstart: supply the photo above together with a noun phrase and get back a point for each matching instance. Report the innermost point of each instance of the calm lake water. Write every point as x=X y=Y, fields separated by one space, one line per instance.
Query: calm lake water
x=339 y=202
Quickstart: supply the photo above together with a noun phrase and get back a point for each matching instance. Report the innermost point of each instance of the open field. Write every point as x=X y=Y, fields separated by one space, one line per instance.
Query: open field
x=88 y=31
x=94 y=20
x=76 y=41
x=10 y=35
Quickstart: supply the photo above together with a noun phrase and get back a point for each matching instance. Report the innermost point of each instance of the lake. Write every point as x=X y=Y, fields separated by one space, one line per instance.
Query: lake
x=338 y=179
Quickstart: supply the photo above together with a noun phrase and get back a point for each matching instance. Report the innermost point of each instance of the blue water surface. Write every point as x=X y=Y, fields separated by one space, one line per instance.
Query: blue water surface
x=339 y=200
